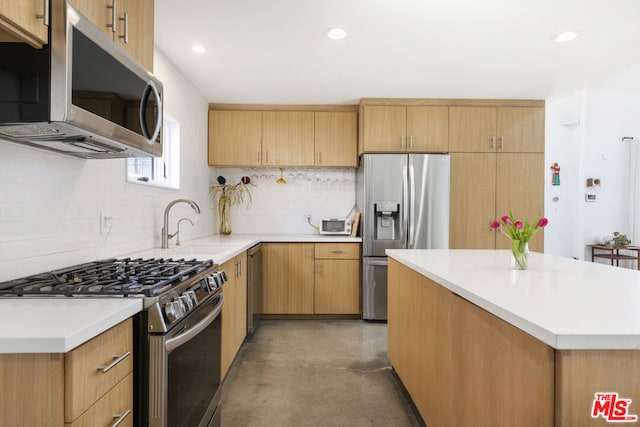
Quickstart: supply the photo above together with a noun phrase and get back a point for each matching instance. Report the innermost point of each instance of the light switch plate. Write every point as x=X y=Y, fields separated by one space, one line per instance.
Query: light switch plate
x=590 y=197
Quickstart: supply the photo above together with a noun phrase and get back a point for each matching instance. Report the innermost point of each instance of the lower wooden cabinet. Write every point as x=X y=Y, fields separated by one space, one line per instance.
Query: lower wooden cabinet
x=308 y=278
x=72 y=389
x=234 y=310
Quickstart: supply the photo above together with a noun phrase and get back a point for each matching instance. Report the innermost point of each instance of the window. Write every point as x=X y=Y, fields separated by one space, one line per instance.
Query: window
x=159 y=171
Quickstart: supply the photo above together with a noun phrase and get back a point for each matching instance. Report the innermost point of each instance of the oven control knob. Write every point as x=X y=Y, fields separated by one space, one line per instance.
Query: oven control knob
x=191 y=295
x=223 y=275
x=181 y=309
x=186 y=302
x=171 y=312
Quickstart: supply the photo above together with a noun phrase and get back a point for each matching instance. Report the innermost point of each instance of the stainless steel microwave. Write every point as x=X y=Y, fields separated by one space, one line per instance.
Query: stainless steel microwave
x=335 y=226
x=80 y=95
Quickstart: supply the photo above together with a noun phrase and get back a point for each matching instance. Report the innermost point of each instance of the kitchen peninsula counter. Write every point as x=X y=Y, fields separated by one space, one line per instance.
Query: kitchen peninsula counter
x=478 y=343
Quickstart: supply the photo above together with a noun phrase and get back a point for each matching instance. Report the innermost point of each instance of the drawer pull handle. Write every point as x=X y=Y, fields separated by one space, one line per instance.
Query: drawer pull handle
x=117 y=360
x=338 y=251
x=120 y=418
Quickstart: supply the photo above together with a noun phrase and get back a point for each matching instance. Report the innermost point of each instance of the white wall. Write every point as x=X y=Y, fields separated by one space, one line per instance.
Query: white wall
x=280 y=208
x=50 y=204
x=583 y=134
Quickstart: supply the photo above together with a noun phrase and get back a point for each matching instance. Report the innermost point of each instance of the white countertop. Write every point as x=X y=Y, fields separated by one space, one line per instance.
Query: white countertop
x=222 y=248
x=58 y=324
x=566 y=303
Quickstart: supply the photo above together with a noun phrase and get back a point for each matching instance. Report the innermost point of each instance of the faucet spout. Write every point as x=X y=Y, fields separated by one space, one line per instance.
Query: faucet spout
x=165 y=227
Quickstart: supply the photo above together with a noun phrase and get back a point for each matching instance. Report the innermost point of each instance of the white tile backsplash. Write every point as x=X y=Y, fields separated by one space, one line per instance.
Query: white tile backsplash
x=50 y=204
x=280 y=208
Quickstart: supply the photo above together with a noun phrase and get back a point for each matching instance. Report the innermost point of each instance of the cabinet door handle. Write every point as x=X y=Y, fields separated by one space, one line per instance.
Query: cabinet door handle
x=240 y=268
x=120 y=418
x=402 y=141
x=258 y=156
x=411 y=141
x=266 y=157
x=126 y=27
x=117 y=359
x=318 y=269
x=338 y=251
x=501 y=142
x=493 y=141
x=45 y=13
x=319 y=157
x=114 y=16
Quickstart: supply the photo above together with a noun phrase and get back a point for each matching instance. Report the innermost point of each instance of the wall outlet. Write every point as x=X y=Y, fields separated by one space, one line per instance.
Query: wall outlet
x=106 y=222
x=307 y=216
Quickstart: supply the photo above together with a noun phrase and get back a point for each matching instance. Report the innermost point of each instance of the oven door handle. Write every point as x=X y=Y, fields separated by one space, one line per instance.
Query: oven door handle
x=175 y=342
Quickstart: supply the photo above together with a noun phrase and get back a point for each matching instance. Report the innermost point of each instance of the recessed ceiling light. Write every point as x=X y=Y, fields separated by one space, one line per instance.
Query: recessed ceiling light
x=198 y=48
x=335 y=33
x=566 y=36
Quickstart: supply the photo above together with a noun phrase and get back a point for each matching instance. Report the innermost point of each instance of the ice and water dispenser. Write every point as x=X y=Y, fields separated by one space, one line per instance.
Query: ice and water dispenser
x=386 y=220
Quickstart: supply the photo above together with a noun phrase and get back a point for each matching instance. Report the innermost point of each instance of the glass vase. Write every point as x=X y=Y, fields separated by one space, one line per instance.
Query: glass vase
x=224 y=210
x=520 y=255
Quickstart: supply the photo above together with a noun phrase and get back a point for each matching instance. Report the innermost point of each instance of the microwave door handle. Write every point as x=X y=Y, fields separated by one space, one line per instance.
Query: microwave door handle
x=148 y=90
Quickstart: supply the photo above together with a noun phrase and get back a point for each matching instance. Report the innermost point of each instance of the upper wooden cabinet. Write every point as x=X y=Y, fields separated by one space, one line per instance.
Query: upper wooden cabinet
x=336 y=135
x=501 y=129
x=287 y=138
x=24 y=21
x=392 y=128
x=235 y=138
x=245 y=135
x=128 y=23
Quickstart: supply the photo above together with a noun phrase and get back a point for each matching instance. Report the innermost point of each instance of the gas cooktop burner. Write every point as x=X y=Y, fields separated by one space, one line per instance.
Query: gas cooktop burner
x=146 y=277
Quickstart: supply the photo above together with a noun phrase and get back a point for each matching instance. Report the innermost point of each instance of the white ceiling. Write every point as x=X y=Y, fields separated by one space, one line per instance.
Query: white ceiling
x=273 y=51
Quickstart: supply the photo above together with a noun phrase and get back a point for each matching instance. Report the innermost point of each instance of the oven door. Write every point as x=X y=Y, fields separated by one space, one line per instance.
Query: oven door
x=184 y=370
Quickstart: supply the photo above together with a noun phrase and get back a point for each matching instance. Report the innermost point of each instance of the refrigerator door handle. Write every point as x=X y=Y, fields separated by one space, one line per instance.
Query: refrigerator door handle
x=412 y=206
x=405 y=206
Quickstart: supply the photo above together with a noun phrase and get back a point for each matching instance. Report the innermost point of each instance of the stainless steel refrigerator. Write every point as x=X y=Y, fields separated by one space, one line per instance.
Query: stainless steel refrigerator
x=404 y=202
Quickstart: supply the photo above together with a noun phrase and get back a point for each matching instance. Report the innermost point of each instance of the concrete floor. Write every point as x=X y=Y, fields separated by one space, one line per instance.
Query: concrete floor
x=306 y=373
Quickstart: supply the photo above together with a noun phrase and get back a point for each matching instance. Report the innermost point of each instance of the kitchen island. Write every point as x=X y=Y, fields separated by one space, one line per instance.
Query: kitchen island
x=478 y=343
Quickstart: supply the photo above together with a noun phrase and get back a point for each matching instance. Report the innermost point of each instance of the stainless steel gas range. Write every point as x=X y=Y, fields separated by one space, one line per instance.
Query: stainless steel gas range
x=177 y=338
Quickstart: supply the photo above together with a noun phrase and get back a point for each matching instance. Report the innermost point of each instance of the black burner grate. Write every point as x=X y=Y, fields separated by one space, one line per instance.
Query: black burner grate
x=128 y=276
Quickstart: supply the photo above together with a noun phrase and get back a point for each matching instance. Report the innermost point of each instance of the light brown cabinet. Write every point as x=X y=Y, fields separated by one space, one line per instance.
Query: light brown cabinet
x=287 y=138
x=129 y=23
x=234 y=310
x=462 y=365
x=74 y=389
x=235 y=138
x=281 y=138
x=336 y=139
x=496 y=129
x=287 y=278
x=485 y=186
x=24 y=21
x=308 y=278
x=337 y=278
x=398 y=128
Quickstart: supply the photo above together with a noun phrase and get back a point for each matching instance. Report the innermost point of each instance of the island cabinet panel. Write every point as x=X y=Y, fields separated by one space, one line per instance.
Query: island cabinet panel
x=32 y=389
x=461 y=365
x=287 y=138
x=336 y=138
x=287 y=278
x=235 y=138
x=23 y=21
x=234 y=310
x=580 y=374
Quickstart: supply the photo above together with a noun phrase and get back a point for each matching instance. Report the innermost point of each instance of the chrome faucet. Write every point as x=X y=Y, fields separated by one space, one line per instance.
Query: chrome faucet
x=166 y=236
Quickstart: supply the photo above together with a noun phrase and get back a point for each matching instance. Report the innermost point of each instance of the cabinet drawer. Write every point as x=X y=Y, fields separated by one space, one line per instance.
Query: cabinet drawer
x=96 y=367
x=117 y=403
x=337 y=251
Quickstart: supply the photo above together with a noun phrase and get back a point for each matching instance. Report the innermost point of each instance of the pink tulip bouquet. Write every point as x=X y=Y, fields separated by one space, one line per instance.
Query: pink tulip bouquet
x=520 y=233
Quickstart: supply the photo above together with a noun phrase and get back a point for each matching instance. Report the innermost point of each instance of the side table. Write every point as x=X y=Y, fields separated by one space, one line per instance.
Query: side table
x=611 y=253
